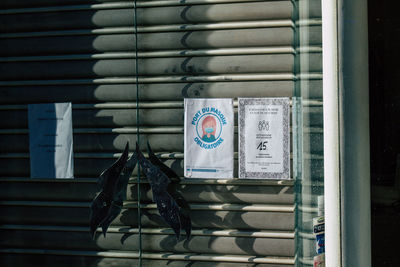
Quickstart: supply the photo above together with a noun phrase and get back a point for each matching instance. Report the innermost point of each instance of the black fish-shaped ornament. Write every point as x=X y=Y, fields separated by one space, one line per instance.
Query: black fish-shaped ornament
x=159 y=181
x=108 y=202
x=172 y=189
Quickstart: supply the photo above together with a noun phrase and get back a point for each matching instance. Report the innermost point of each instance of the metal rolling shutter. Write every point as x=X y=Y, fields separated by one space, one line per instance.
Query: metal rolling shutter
x=84 y=52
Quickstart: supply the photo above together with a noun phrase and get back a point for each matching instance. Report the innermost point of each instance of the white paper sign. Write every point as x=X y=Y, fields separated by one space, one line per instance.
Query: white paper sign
x=50 y=140
x=209 y=138
x=264 y=151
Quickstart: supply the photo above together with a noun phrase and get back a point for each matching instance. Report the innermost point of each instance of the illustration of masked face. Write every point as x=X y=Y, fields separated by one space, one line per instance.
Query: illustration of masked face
x=209 y=125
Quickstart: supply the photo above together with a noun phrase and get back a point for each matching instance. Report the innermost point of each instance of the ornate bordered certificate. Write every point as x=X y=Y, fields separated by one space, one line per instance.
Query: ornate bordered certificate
x=264 y=146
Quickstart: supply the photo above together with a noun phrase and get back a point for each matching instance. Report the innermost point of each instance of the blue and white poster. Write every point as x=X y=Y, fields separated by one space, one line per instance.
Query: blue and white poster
x=50 y=140
x=209 y=125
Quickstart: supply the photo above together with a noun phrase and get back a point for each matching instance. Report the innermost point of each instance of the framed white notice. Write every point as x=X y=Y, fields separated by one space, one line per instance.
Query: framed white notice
x=264 y=138
x=209 y=125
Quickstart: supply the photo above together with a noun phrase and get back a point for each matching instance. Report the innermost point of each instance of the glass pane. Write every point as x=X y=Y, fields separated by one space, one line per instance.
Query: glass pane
x=308 y=134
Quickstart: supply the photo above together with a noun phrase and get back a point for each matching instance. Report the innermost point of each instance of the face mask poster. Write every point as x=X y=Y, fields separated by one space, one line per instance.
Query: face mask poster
x=209 y=125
